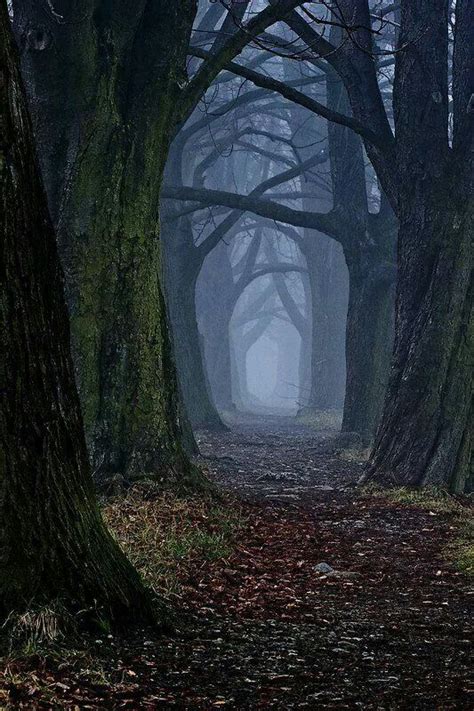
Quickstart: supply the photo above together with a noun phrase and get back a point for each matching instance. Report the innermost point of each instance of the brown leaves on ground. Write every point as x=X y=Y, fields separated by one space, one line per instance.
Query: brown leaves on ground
x=388 y=626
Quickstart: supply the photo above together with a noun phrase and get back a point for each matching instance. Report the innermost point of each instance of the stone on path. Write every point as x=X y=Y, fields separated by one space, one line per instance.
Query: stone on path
x=324 y=568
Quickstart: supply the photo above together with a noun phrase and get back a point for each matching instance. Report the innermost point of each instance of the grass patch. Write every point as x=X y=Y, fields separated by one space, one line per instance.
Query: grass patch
x=320 y=419
x=429 y=497
x=461 y=551
x=355 y=454
x=163 y=534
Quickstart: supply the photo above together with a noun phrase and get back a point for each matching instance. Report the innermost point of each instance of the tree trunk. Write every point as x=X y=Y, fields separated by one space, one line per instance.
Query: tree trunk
x=369 y=248
x=216 y=278
x=119 y=94
x=219 y=365
x=426 y=434
x=369 y=342
x=181 y=276
x=328 y=279
x=53 y=543
x=182 y=265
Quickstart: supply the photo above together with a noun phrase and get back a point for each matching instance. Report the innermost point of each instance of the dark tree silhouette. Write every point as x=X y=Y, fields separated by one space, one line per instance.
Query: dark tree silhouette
x=53 y=542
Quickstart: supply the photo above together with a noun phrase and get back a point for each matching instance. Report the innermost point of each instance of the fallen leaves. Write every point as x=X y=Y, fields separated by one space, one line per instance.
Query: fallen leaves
x=387 y=628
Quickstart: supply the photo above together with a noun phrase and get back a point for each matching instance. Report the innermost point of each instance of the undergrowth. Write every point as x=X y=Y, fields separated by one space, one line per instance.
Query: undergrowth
x=320 y=419
x=163 y=534
x=461 y=550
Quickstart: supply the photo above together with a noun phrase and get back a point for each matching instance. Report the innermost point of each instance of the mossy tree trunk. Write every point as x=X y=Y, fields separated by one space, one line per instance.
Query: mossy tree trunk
x=53 y=542
x=109 y=82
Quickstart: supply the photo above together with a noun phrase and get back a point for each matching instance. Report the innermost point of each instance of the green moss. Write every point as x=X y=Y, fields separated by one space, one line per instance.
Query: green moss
x=123 y=356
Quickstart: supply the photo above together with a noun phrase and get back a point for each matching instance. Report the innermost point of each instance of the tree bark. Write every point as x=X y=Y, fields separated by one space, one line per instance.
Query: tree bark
x=106 y=86
x=53 y=542
x=328 y=279
x=369 y=342
x=426 y=433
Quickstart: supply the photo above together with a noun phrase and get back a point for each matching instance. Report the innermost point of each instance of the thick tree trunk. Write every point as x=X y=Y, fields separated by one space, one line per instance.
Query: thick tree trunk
x=369 y=343
x=124 y=360
x=119 y=93
x=53 y=543
x=426 y=434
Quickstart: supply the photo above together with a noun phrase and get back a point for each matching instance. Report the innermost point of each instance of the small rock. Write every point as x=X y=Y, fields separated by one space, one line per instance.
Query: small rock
x=324 y=568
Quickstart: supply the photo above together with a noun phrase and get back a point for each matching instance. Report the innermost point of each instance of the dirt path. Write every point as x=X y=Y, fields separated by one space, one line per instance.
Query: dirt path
x=276 y=458
x=388 y=627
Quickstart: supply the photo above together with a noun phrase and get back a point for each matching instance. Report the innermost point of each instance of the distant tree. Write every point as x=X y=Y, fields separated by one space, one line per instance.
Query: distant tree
x=426 y=172
x=54 y=545
x=367 y=241
x=184 y=257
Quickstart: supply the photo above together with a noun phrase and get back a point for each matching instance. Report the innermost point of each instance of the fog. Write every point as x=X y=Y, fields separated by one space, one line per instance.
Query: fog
x=260 y=208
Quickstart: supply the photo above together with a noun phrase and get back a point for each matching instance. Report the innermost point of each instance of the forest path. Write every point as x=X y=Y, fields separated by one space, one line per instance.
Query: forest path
x=387 y=627
x=276 y=458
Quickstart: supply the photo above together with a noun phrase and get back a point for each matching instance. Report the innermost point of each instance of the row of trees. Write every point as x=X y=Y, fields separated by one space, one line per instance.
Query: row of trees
x=365 y=238
x=109 y=93
x=107 y=90
x=418 y=138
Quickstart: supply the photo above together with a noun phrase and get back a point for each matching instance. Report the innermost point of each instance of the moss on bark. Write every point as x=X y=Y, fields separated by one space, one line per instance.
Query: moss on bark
x=53 y=542
x=125 y=79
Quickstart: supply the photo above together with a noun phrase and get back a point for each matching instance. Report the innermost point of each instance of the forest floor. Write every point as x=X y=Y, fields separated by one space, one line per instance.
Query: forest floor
x=262 y=625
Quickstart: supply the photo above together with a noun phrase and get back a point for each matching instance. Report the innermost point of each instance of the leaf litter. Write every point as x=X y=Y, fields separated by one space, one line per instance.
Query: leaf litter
x=263 y=624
